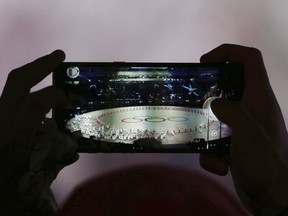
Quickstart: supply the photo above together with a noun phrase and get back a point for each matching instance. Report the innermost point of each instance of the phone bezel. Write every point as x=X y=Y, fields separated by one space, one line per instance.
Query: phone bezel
x=228 y=78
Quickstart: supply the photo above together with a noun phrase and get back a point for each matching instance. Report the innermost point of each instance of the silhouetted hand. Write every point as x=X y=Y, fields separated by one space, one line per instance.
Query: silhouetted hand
x=29 y=161
x=258 y=158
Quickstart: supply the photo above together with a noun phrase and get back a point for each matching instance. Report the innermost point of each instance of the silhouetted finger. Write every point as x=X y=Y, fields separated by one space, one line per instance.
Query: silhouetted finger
x=22 y=79
x=251 y=58
x=256 y=80
x=233 y=53
x=217 y=164
x=48 y=98
x=226 y=53
x=231 y=113
x=39 y=103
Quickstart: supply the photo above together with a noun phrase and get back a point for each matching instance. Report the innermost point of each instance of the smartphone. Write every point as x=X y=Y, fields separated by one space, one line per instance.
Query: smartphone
x=146 y=107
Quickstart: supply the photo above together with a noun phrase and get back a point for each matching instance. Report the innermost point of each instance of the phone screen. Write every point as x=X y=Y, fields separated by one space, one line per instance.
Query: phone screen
x=146 y=107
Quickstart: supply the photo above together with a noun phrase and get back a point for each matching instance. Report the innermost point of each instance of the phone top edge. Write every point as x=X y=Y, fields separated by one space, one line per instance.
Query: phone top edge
x=147 y=63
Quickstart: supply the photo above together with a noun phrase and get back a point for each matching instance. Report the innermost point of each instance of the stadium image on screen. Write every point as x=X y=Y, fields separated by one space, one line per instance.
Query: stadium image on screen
x=128 y=104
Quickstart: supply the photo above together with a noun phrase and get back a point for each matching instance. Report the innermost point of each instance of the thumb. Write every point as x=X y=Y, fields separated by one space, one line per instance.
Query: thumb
x=230 y=112
x=236 y=116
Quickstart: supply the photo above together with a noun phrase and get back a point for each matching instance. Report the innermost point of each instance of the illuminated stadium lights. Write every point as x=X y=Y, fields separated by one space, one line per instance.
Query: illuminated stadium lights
x=150 y=73
x=136 y=79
